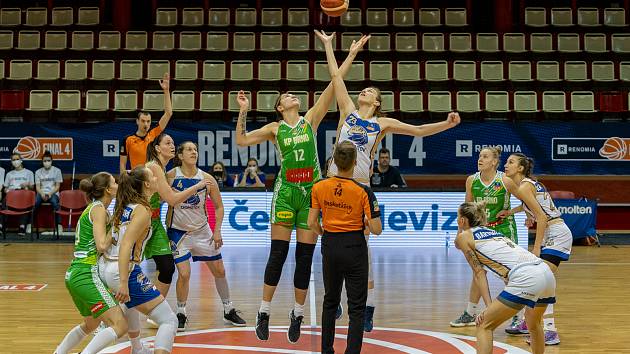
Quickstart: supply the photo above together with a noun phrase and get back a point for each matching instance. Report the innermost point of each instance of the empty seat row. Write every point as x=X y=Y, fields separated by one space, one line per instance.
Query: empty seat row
x=59 y=16
x=408 y=101
x=304 y=41
x=563 y=17
x=221 y=17
x=301 y=70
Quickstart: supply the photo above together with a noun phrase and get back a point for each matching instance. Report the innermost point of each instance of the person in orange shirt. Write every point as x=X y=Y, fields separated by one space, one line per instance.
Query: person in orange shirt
x=344 y=205
x=134 y=147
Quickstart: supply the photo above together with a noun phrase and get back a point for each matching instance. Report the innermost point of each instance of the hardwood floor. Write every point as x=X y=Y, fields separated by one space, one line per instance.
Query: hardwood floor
x=415 y=289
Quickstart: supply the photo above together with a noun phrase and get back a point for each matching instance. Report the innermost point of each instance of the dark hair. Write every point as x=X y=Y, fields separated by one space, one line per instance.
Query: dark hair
x=275 y=106
x=345 y=155
x=526 y=162
x=474 y=212
x=384 y=151
x=256 y=161
x=152 y=154
x=16 y=154
x=47 y=154
x=95 y=186
x=177 y=162
x=224 y=174
x=143 y=113
x=130 y=191
x=496 y=153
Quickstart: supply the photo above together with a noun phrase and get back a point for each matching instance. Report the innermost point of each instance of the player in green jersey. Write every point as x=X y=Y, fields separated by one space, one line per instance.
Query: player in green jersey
x=295 y=138
x=91 y=297
x=494 y=188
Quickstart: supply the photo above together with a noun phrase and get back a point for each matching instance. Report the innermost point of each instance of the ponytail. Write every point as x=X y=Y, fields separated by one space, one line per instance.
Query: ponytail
x=95 y=186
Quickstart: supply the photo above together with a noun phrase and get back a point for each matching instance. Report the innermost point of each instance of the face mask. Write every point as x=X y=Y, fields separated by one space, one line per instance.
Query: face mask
x=47 y=164
x=16 y=163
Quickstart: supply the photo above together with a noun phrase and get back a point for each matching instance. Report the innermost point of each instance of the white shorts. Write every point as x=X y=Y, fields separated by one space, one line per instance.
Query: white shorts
x=197 y=244
x=557 y=241
x=141 y=289
x=529 y=285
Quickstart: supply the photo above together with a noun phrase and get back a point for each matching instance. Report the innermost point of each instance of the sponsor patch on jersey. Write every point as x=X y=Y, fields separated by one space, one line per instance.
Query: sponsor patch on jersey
x=96 y=308
x=284 y=214
x=375 y=205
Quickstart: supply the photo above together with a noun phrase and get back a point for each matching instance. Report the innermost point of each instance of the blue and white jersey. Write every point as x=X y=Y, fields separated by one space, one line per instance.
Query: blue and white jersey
x=191 y=214
x=544 y=199
x=119 y=234
x=498 y=253
x=365 y=135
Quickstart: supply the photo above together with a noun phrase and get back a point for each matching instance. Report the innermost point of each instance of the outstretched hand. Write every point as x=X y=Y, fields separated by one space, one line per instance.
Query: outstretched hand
x=356 y=46
x=324 y=37
x=165 y=82
x=242 y=100
x=453 y=119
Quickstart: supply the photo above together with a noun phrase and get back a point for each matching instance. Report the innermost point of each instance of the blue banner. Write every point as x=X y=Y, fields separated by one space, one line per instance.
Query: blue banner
x=562 y=148
x=579 y=215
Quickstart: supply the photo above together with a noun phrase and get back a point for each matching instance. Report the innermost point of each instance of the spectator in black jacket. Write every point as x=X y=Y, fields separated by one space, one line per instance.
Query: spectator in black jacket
x=385 y=175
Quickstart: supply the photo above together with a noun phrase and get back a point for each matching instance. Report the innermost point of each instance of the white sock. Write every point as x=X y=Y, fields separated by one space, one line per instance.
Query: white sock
x=71 y=340
x=100 y=341
x=227 y=306
x=549 y=324
x=370 y=298
x=181 y=307
x=549 y=310
x=520 y=315
x=472 y=309
x=136 y=344
x=265 y=306
x=298 y=310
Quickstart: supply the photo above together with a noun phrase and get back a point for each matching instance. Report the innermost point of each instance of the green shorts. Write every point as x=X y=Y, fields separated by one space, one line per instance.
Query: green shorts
x=508 y=229
x=90 y=295
x=158 y=244
x=290 y=205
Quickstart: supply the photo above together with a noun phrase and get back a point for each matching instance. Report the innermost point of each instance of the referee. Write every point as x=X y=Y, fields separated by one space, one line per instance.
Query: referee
x=344 y=206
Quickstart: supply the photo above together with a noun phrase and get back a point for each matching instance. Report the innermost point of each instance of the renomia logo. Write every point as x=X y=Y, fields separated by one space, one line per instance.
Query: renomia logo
x=575 y=209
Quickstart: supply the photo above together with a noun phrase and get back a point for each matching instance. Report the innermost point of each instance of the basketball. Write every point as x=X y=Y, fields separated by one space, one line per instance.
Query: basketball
x=28 y=148
x=334 y=8
x=614 y=149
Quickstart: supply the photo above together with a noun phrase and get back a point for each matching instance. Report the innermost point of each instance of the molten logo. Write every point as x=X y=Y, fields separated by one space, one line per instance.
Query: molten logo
x=381 y=341
x=615 y=149
x=31 y=148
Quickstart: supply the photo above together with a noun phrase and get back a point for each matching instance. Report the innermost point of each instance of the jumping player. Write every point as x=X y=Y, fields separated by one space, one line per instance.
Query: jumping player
x=295 y=139
x=191 y=236
x=553 y=237
x=529 y=280
x=365 y=127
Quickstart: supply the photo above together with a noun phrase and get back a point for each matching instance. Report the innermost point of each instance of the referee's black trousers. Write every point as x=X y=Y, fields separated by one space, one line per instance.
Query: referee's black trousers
x=344 y=258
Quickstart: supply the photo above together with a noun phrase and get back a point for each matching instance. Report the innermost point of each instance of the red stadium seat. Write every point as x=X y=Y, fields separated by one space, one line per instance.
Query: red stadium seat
x=12 y=100
x=71 y=203
x=19 y=202
x=562 y=195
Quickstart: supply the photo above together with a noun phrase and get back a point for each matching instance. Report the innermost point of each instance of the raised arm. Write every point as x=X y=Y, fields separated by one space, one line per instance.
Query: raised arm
x=168 y=108
x=243 y=138
x=167 y=193
x=394 y=126
x=319 y=110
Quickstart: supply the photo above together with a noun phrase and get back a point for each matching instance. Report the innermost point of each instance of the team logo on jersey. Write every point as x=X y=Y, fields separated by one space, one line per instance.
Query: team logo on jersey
x=496 y=185
x=96 y=308
x=284 y=214
x=358 y=135
x=194 y=200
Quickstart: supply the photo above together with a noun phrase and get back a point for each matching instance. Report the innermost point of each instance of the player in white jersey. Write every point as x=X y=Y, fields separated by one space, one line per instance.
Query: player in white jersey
x=191 y=236
x=553 y=237
x=119 y=266
x=530 y=281
x=365 y=127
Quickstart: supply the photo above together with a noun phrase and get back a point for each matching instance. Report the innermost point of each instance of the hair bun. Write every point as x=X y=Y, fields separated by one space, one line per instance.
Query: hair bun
x=86 y=185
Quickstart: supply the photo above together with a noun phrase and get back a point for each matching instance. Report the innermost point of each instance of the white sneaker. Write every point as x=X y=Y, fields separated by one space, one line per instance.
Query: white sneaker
x=144 y=350
x=59 y=229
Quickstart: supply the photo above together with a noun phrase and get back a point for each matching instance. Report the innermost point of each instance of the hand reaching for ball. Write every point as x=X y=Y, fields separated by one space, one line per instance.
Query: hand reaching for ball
x=326 y=39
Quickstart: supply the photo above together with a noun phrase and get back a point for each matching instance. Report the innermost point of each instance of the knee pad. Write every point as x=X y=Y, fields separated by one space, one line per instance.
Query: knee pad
x=277 y=257
x=303 y=261
x=165 y=265
x=167 y=321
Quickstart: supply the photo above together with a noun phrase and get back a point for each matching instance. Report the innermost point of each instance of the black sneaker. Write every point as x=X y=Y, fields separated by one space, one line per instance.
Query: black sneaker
x=368 y=323
x=233 y=318
x=339 y=312
x=262 y=326
x=22 y=230
x=181 y=322
x=294 y=328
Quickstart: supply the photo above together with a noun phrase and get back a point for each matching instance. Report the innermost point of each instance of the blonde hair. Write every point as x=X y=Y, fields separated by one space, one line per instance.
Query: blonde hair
x=474 y=212
x=496 y=153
